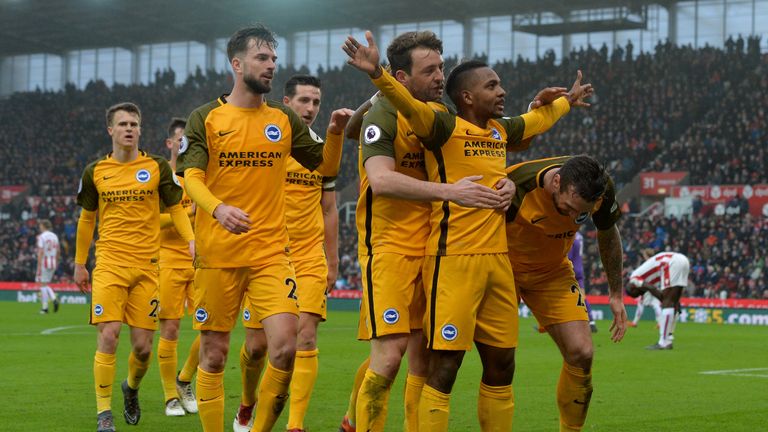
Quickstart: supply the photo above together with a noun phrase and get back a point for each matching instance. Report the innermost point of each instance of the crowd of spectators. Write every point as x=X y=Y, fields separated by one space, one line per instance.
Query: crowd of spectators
x=674 y=108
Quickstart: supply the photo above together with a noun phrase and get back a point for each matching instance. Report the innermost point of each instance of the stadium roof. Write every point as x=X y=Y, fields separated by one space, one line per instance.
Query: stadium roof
x=56 y=26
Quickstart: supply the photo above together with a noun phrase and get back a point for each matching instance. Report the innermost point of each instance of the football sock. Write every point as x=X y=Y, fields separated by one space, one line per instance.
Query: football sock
x=638 y=313
x=372 y=402
x=210 y=400
x=43 y=298
x=667 y=315
x=413 y=386
x=673 y=323
x=166 y=361
x=103 y=377
x=302 y=383
x=495 y=407
x=51 y=294
x=273 y=394
x=250 y=372
x=193 y=360
x=434 y=410
x=574 y=391
x=359 y=376
x=136 y=370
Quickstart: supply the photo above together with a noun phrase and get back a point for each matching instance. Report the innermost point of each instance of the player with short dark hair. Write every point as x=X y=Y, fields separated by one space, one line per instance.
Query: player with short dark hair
x=462 y=241
x=234 y=169
x=127 y=189
x=542 y=223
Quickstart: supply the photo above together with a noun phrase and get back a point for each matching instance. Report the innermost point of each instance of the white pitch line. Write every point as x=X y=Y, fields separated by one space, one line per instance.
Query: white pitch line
x=58 y=329
x=738 y=372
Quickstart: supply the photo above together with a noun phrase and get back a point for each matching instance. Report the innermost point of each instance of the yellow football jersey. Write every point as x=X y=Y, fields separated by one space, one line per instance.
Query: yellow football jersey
x=243 y=152
x=303 y=212
x=460 y=149
x=128 y=197
x=539 y=237
x=389 y=224
x=174 y=251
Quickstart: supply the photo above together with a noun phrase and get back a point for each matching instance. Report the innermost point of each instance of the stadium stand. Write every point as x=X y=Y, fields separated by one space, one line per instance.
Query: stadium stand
x=665 y=110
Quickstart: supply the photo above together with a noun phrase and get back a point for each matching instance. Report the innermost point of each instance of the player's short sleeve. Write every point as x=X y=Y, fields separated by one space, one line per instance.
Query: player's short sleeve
x=87 y=195
x=193 y=151
x=169 y=187
x=329 y=184
x=378 y=131
x=40 y=242
x=306 y=145
x=515 y=127
x=442 y=130
x=609 y=212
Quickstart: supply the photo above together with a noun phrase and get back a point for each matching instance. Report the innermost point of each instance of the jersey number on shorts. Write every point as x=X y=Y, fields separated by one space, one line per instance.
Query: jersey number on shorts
x=580 y=301
x=291 y=283
x=154 y=303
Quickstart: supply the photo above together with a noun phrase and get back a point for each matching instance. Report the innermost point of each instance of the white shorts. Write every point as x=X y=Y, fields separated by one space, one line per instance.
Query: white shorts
x=45 y=276
x=678 y=272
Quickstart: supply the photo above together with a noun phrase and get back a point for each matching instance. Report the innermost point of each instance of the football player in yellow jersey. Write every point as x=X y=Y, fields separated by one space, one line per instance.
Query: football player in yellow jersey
x=483 y=308
x=312 y=221
x=234 y=169
x=127 y=188
x=554 y=197
x=176 y=295
x=393 y=226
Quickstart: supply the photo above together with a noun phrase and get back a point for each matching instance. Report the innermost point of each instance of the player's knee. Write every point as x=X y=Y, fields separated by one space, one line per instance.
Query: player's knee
x=282 y=356
x=306 y=340
x=446 y=367
x=580 y=356
x=142 y=352
x=213 y=358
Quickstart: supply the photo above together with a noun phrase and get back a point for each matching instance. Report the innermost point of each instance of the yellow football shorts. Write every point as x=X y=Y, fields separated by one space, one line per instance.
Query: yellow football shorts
x=553 y=296
x=219 y=293
x=393 y=295
x=177 y=289
x=125 y=294
x=470 y=298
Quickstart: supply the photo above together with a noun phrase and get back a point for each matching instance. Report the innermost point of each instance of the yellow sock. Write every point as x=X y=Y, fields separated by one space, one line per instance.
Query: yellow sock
x=495 y=407
x=103 y=377
x=210 y=400
x=302 y=384
x=413 y=386
x=136 y=370
x=574 y=390
x=166 y=361
x=372 y=402
x=273 y=394
x=434 y=410
x=250 y=372
x=359 y=376
x=193 y=360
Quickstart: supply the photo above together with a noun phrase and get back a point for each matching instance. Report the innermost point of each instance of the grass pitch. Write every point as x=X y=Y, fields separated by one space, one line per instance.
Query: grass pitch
x=715 y=379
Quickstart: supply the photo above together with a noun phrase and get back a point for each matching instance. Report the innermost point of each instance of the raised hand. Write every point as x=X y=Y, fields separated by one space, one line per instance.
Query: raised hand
x=364 y=58
x=339 y=120
x=579 y=92
x=547 y=96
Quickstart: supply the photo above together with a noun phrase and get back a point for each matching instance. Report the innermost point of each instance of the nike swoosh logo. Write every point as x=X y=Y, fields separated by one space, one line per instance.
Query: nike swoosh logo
x=537 y=220
x=107 y=177
x=576 y=401
x=221 y=134
x=206 y=400
x=474 y=134
x=104 y=386
x=164 y=357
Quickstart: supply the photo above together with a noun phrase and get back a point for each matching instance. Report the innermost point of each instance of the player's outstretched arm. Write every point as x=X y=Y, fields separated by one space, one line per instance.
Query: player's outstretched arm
x=609 y=243
x=330 y=237
x=366 y=58
x=386 y=181
x=352 y=131
x=85 y=225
